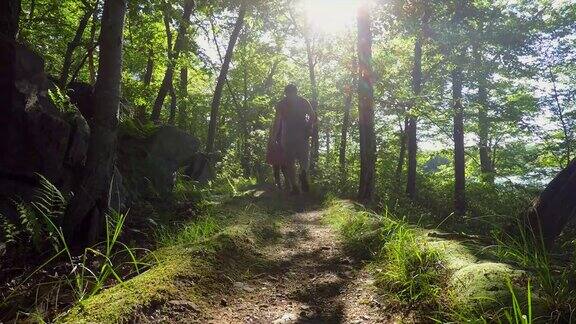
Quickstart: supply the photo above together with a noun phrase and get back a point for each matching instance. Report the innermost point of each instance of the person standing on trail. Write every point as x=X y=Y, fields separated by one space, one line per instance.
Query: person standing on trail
x=275 y=152
x=294 y=120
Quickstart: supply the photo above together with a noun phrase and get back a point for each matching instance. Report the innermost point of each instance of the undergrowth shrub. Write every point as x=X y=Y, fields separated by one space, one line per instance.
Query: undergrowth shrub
x=66 y=277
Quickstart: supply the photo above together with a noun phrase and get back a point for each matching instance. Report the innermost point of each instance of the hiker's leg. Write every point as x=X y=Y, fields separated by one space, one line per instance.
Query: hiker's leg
x=291 y=171
x=276 y=170
x=285 y=174
x=304 y=161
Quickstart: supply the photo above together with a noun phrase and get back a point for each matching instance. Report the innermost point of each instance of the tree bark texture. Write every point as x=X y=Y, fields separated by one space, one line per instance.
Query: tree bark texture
x=366 y=106
x=9 y=15
x=183 y=91
x=215 y=105
x=313 y=102
x=344 y=136
x=555 y=206
x=411 y=127
x=403 y=139
x=91 y=199
x=458 y=133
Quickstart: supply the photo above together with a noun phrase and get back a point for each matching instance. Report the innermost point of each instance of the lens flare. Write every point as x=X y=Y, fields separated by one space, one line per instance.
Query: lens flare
x=330 y=16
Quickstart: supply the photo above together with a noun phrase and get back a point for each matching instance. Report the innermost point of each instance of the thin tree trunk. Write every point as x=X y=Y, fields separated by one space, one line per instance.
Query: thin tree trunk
x=172 y=117
x=183 y=89
x=313 y=102
x=403 y=138
x=32 y=9
x=411 y=128
x=560 y=113
x=245 y=133
x=459 y=161
x=327 y=144
x=149 y=69
x=486 y=167
x=344 y=136
x=165 y=88
x=91 y=199
x=270 y=78
x=458 y=111
x=75 y=42
x=92 y=46
x=222 y=80
x=366 y=106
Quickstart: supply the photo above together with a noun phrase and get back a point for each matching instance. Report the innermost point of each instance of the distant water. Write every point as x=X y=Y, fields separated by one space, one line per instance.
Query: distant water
x=538 y=178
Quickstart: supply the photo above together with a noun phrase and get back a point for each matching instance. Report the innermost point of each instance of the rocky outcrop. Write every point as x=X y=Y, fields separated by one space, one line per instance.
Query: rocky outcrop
x=36 y=136
x=148 y=161
x=50 y=136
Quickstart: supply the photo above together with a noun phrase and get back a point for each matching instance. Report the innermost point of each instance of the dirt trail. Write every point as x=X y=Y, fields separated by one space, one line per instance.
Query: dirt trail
x=309 y=280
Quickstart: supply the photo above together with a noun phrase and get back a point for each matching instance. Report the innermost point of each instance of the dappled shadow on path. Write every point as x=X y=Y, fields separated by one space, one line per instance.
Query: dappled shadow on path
x=304 y=277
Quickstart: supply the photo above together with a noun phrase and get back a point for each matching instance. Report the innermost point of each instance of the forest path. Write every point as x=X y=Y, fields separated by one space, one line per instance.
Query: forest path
x=308 y=279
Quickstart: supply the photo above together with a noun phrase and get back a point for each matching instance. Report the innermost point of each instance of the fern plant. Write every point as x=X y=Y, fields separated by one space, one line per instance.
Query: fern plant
x=89 y=272
x=36 y=219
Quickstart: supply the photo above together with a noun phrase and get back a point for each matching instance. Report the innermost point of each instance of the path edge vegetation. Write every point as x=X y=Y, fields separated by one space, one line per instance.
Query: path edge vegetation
x=212 y=251
x=422 y=273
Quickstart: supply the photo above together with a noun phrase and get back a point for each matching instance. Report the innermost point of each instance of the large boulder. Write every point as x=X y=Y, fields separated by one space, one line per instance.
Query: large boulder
x=148 y=159
x=37 y=136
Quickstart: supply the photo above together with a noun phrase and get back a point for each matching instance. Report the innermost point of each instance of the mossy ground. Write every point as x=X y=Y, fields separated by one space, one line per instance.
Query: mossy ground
x=436 y=278
x=211 y=259
x=441 y=278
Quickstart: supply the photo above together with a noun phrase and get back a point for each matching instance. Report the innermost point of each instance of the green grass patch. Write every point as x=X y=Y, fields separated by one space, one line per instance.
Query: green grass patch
x=222 y=242
x=363 y=233
x=439 y=279
x=410 y=270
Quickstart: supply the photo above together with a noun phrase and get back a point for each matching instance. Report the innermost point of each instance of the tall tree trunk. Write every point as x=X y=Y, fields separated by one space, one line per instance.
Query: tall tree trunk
x=183 y=90
x=555 y=207
x=344 y=136
x=172 y=117
x=92 y=45
x=149 y=69
x=459 y=161
x=403 y=139
x=412 y=119
x=75 y=42
x=486 y=165
x=243 y=119
x=91 y=199
x=165 y=88
x=222 y=79
x=366 y=106
x=458 y=111
x=313 y=101
x=9 y=15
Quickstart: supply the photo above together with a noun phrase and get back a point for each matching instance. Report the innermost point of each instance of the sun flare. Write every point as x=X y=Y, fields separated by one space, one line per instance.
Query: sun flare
x=330 y=16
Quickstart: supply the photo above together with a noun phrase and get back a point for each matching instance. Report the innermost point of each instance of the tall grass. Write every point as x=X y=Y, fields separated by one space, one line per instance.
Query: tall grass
x=79 y=276
x=554 y=282
x=410 y=269
x=190 y=233
x=516 y=313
